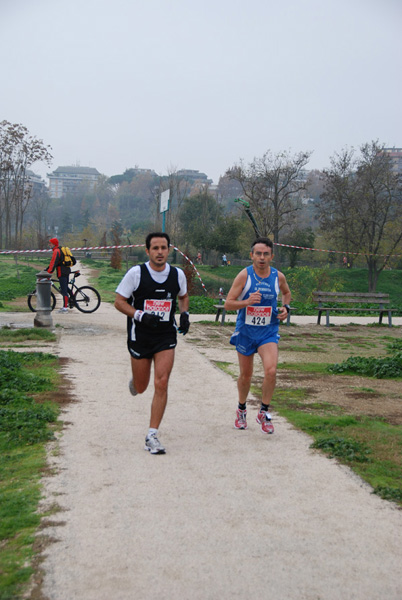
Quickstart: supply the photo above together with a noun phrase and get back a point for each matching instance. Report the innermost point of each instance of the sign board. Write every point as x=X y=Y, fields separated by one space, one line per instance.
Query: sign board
x=165 y=201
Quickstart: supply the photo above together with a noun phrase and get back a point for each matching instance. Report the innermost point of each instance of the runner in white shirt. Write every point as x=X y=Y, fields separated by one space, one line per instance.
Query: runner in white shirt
x=147 y=295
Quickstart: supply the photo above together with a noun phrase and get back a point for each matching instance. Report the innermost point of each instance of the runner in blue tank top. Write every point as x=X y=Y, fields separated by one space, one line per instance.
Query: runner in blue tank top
x=262 y=320
x=254 y=295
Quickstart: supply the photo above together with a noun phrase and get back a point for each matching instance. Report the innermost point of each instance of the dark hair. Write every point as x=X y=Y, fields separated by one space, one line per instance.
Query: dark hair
x=154 y=235
x=263 y=240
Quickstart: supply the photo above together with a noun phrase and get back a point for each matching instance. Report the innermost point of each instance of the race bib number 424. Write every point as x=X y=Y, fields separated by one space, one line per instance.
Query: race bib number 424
x=161 y=308
x=258 y=315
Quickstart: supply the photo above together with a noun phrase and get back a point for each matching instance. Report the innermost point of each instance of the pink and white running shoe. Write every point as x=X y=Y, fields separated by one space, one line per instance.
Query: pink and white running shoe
x=241 y=422
x=264 y=419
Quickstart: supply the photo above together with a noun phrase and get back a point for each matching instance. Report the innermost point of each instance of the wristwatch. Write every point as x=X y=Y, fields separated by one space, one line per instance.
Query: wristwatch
x=287 y=307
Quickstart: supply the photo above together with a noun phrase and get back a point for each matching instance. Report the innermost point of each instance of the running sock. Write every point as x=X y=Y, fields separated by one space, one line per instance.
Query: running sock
x=242 y=406
x=265 y=407
x=151 y=431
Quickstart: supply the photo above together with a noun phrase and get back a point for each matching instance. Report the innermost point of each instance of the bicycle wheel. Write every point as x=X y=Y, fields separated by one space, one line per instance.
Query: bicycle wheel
x=32 y=299
x=87 y=299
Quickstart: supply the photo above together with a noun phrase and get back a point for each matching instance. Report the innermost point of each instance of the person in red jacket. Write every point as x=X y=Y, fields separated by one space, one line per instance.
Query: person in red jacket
x=62 y=272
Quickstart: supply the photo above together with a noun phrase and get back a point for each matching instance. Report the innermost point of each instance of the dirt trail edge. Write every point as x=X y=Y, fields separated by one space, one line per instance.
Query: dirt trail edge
x=225 y=514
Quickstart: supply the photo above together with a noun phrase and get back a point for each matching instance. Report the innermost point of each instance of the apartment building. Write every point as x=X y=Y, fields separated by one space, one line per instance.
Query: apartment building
x=396 y=156
x=193 y=176
x=65 y=181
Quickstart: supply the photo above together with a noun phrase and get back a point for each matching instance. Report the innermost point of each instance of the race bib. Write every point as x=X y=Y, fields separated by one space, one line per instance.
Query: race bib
x=258 y=315
x=161 y=308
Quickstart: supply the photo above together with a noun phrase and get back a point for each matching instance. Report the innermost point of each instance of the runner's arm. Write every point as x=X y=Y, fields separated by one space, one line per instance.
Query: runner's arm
x=123 y=306
x=184 y=303
x=183 y=297
x=286 y=297
x=231 y=302
x=184 y=324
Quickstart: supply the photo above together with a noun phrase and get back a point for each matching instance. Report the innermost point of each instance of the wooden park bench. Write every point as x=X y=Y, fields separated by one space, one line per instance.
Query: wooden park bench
x=326 y=301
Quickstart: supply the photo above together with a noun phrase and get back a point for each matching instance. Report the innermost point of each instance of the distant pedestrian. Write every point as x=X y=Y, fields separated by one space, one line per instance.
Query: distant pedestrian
x=62 y=271
x=224 y=260
x=147 y=295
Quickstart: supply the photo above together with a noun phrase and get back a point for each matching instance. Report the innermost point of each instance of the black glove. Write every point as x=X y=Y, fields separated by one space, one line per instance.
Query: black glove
x=150 y=320
x=184 y=323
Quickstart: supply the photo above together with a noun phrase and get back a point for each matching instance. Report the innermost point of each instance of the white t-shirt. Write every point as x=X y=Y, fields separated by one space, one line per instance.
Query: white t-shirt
x=131 y=279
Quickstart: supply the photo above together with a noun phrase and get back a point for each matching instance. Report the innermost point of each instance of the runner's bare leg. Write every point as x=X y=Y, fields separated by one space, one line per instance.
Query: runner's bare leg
x=269 y=356
x=244 y=380
x=141 y=369
x=163 y=364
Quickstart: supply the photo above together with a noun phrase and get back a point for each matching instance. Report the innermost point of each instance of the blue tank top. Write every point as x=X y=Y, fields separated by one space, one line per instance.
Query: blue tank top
x=260 y=316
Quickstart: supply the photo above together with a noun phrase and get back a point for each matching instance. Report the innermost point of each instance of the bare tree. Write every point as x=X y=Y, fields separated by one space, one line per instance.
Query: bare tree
x=18 y=152
x=361 y=206
x=38 y=209
x=116 y=233
x=339 y=209
x=273 y=185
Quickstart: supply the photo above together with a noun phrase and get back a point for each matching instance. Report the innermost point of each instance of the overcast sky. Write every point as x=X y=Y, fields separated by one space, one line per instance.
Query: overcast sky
x=167 y=84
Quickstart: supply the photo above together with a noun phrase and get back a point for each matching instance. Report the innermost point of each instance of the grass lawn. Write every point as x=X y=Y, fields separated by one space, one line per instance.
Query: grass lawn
x=28 y=418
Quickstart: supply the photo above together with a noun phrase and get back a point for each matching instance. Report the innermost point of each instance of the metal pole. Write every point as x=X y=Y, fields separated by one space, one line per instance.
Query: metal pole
x=43 y=315
x=249 y=214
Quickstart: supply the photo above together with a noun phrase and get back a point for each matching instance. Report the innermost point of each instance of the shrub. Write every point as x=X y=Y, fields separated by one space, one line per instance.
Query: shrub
x=387 y=367
x=348 y=450
x=202 y=305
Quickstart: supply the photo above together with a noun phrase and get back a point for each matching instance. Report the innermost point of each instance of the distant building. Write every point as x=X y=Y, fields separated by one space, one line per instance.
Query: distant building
x=65 y=181
x=35 y=182
x=396 y=156
x=193 y=176
x=226 y=192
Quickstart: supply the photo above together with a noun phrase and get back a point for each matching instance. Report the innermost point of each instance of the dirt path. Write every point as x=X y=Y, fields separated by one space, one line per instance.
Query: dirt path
x=225 y=514
x=359 y=395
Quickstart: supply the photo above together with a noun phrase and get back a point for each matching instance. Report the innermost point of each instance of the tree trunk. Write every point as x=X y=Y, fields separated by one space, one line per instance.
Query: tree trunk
x=372 y=274
x=277 y=249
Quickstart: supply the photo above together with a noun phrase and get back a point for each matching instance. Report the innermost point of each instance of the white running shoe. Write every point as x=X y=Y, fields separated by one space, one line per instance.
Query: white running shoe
x=153 y=445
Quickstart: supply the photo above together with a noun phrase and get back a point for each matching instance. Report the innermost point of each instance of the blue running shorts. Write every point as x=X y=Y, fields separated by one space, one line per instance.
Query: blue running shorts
x=247 y=346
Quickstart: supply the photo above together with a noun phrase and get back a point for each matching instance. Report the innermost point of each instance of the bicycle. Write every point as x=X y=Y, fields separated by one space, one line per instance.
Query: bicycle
x=86 y=298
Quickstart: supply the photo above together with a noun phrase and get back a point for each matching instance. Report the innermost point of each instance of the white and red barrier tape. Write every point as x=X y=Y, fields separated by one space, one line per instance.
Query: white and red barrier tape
x=83 y=248
x=336 y=251
x=139 y=245
x=106 y=248
x=193 y=265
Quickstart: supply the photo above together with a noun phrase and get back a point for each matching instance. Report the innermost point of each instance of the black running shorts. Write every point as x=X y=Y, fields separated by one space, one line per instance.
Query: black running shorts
x=146 y=348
